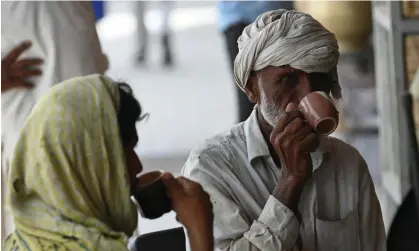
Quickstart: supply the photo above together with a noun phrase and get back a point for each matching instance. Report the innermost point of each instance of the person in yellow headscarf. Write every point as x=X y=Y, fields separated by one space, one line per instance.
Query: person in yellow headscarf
x=74 y=168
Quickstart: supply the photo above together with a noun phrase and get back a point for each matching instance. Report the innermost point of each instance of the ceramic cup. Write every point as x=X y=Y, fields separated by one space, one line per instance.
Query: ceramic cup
x=150 y=197
x=320 y=112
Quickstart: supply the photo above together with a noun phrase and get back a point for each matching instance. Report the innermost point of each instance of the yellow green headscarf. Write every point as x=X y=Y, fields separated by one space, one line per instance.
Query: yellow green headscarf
x=68 y=181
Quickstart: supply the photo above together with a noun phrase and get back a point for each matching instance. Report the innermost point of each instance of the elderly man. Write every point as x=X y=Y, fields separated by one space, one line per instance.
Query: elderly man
x=274 y=184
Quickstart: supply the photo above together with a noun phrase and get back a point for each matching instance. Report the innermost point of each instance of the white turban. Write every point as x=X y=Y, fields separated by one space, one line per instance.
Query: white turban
x=283 y=37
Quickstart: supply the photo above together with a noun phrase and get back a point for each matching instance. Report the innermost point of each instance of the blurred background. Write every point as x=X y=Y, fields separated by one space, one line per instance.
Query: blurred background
x=194 y=96
x=177 y=56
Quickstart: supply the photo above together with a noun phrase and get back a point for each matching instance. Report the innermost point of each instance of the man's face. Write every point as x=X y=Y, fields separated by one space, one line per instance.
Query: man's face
x=275 y=87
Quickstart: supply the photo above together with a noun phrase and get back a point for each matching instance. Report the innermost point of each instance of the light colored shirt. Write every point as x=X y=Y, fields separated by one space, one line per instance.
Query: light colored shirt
x=338 y=205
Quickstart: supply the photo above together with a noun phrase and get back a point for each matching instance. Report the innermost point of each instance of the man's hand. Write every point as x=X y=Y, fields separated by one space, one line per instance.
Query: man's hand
x=293 y=140
x=194 y=210
x=15 y=72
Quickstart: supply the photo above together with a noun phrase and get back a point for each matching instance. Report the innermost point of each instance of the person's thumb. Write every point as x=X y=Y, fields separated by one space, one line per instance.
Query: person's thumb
x=173 y=187
x=291 y=107
x=167 y=178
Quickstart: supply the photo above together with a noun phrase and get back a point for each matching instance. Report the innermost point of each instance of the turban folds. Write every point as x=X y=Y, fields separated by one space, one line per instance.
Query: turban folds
x=282 y=37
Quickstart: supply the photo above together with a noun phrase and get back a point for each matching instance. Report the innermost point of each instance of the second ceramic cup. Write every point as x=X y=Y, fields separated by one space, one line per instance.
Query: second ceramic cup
x=150 y=196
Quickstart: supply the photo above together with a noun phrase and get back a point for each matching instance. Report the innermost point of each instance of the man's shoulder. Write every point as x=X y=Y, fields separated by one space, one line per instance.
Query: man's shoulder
x=339 y=148
x=219 y=150
x=345 y=157
x=221 y=142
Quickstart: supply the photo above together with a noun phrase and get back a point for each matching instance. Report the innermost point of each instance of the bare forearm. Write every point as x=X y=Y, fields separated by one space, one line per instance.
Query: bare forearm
x=201 y=239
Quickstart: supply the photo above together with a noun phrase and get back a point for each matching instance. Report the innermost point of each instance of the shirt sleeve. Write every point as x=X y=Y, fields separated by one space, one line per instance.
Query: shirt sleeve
x=372 y=232
x=276 y=228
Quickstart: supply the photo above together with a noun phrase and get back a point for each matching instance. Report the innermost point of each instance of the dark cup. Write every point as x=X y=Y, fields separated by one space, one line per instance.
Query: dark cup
x=150 y=197
x=320 y=112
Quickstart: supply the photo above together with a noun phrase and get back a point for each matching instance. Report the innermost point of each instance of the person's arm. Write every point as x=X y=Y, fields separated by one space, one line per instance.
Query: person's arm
x=201 y=239
x=276 y=228
x=193 y=210
x=371 y=228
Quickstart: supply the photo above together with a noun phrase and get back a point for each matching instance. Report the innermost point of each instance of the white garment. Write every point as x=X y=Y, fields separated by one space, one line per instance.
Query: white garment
x=64 y=35
x=338 y=205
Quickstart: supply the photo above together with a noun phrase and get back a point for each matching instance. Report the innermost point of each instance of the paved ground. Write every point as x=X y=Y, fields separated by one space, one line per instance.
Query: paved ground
x=190 y=102
x=186 y=104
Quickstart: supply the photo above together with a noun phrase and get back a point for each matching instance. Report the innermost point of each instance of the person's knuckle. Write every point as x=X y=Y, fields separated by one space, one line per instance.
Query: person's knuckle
x=300 y=122
x=272 y=138
x=286 y=144
x=277 y=141
x=297 y=148
x=196 y=187
x=284 y=118
x=294 y=114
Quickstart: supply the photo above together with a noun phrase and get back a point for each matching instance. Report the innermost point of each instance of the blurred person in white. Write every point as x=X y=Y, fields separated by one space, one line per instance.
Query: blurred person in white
x=275 y=185
x=143 y=34
x=42 y=43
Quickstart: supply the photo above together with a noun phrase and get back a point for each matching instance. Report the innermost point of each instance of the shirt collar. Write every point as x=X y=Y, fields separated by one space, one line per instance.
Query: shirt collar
x=257 y=146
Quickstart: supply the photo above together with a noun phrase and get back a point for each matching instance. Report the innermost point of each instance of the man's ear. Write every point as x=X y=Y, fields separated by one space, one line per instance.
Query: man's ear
x=252 y=90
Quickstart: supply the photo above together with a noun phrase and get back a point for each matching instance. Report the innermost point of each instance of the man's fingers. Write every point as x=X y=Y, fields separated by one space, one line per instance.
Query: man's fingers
x=294 y=126
x=17 y=51
x=179 y=186
x=167 y=178
x=303 y=132
x=188 y=185
x=291 y=107
x=283 y=122
x=174 y=188
x=29 y=62
x=286 y=118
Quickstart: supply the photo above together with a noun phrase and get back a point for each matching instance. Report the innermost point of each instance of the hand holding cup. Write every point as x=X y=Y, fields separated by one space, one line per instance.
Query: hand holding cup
x=190 y=202
x=150 y=196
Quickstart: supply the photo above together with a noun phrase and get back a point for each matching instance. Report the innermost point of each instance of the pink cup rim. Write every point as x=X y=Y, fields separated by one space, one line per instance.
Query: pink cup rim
x=335 y=125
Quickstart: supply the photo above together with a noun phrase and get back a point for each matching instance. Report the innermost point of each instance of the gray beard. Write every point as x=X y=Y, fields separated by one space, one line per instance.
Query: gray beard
x=271 y=112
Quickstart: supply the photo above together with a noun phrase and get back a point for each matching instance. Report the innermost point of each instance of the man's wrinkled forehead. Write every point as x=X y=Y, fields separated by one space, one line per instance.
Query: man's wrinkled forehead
x=274 y=72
